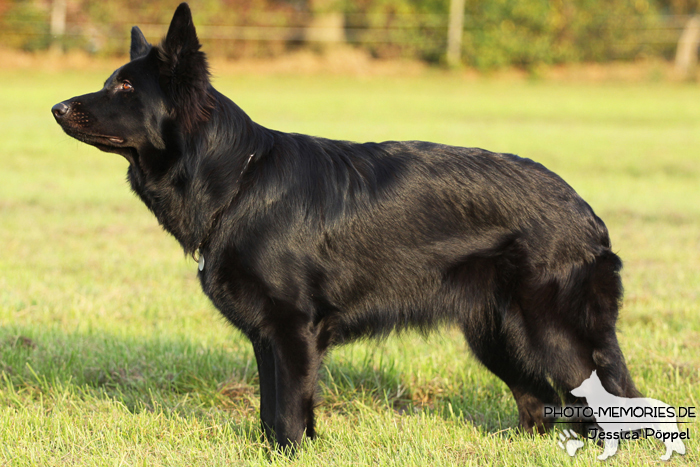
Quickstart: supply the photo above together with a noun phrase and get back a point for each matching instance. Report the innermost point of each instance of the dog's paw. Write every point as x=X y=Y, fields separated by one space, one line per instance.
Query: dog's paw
x=569 y=442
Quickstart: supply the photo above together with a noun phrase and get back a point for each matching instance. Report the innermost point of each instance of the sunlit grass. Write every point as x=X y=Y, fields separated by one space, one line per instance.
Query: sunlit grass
x=110 y=354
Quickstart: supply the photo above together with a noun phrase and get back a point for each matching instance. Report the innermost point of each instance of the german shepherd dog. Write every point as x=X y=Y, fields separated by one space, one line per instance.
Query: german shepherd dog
x=305 y=243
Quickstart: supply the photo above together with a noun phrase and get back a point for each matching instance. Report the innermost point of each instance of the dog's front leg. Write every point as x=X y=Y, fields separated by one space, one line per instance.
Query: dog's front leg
x=268 y=391
x=297 y=361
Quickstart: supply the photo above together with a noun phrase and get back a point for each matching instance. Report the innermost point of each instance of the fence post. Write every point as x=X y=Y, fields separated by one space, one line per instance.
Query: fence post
x=58 y=24
x=326 y=28
x=454 y=33
x=687 y=50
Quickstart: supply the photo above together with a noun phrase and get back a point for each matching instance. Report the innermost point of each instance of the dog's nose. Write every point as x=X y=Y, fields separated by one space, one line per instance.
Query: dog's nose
x=60 y=110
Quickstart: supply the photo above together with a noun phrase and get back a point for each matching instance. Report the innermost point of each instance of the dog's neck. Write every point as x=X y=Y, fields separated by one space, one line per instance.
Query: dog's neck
x=215 y=218
x=189 y=187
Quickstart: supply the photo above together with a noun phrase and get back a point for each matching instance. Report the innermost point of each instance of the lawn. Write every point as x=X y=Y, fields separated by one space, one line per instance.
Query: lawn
x=111 y=355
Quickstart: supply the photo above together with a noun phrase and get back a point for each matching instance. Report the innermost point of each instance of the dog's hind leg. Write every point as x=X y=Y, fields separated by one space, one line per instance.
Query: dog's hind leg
x=483 y=287
x=565 y=380
x=604 y=297
x=584 y=308
x=496 y=346
x=532 y=395
x=532 y=392
x=612 y=369
x=599 y=297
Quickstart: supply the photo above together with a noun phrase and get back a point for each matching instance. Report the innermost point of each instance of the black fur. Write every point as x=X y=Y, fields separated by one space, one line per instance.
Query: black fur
x=309 y=242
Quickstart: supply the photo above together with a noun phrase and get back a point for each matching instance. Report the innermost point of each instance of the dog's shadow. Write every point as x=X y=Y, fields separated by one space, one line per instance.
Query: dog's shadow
x=473 y=397
x=178 y=377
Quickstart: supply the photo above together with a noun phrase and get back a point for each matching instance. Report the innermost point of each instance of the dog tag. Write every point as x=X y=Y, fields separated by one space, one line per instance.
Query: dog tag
x=201 y=261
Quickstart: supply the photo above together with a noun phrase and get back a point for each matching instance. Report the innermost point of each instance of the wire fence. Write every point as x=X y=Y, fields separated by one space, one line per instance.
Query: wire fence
x=427 y=32
x=667 y=31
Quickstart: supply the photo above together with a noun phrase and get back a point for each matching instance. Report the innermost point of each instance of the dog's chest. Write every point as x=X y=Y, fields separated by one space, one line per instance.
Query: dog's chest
x=230 y=290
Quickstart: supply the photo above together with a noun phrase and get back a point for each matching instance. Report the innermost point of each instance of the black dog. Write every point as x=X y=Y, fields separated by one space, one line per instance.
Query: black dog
x=305 y=243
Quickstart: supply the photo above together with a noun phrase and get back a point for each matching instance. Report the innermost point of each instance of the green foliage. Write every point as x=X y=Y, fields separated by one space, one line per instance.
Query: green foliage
x=680 y=7
x=498 y=33
x=214 y=20
x=399 y=28
x=510 y=32
x=25 y=25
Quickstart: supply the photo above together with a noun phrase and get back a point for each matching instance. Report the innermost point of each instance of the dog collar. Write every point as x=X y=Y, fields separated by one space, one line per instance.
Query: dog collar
x=197 y=254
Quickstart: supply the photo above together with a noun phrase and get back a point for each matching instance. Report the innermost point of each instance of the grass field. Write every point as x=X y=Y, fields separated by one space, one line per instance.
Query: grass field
x=111 y=355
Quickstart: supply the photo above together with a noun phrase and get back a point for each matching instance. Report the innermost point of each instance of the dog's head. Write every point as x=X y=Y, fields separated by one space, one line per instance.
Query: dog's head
x=162 y=92
x=590 y=387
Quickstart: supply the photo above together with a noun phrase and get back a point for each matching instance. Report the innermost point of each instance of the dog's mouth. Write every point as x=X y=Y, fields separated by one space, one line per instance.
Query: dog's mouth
x=111 y=139
x=95 y=139
x=76 y=122
x=104 y=142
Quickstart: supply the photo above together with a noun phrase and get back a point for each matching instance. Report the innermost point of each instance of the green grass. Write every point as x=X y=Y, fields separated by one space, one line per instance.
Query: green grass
x=111 y=355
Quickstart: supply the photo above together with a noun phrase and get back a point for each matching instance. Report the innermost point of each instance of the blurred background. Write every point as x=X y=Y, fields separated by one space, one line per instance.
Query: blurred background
x=485 y=35
x=109 y=349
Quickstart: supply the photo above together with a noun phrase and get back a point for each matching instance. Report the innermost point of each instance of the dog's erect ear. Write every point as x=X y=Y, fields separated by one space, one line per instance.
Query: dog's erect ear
x=139 y=44
x=182 y=35
x=184 y=71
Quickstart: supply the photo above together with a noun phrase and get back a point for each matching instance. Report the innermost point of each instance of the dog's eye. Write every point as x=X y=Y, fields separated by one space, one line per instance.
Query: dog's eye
x=125 y=86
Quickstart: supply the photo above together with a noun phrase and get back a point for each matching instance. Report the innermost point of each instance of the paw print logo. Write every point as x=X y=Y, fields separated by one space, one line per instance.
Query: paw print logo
x=569 y=442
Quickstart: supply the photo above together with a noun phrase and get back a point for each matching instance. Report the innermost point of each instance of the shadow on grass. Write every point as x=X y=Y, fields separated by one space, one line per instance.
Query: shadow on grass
x=179 y=378
x=482 y=400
